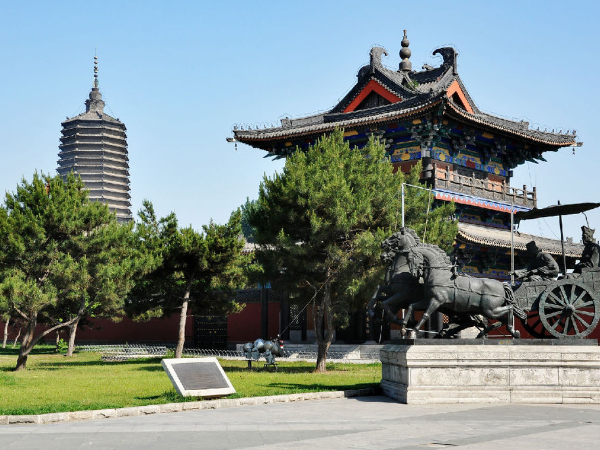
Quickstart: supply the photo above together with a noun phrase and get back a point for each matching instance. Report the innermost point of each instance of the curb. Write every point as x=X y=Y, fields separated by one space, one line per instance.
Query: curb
x=179 y=407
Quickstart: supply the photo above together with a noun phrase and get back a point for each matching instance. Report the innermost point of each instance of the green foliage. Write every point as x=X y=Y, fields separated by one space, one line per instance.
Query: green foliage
x=247 y=229
x=435 y=226
x=62 y=257
x=61 y=346
x=206 y=266
x=321 y=221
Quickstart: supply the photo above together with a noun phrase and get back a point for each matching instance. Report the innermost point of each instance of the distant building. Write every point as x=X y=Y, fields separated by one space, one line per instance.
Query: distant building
x=94 y=146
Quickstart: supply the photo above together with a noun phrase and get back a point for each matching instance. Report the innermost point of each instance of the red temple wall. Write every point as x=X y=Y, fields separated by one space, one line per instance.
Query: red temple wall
x=103 y=330
x=245 y=326
x=155 y=330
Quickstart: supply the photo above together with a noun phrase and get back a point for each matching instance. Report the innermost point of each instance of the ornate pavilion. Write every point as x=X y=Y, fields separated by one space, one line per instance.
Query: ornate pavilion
x=468 y=156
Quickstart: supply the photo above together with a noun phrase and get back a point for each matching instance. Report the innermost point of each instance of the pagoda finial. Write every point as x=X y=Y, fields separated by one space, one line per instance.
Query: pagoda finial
x=405 y=65
x=95 y=71
x=95 y=102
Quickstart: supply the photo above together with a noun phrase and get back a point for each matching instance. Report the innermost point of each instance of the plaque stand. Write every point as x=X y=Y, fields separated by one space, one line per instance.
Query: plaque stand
x=198 y=377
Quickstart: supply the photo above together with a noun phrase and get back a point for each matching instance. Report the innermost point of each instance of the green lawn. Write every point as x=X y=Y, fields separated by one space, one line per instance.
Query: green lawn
x=54 y=383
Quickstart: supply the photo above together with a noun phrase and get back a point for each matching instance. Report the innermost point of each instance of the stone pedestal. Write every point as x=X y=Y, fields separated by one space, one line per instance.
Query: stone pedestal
x=486 y=371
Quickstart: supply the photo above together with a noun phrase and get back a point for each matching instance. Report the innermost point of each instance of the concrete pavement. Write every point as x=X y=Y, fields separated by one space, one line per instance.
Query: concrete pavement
x=347 y=423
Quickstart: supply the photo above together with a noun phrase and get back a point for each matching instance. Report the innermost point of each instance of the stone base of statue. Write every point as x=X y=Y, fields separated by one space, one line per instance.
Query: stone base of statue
x=424 y=371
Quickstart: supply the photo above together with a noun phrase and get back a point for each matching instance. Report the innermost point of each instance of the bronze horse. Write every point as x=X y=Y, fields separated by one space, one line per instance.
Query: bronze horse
x=463 y=294
x=403 y=288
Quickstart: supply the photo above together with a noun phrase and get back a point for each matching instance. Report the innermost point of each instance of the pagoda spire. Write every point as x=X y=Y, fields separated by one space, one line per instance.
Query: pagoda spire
x=405 y=65
x=95 y=71
x=95 y=102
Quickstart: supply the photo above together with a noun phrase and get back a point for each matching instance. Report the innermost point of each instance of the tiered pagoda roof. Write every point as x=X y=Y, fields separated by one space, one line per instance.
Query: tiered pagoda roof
x=94 y=146
x=382 y=95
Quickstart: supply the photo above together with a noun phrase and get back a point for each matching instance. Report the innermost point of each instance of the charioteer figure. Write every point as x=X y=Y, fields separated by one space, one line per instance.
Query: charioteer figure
x=591 y=251
x=541 y=265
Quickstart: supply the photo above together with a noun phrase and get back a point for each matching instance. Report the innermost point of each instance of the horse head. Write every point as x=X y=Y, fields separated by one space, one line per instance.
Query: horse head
x=401 y=241
x=395 y=249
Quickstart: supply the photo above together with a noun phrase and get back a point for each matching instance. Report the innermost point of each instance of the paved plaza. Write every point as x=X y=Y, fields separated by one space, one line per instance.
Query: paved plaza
x=355 y=423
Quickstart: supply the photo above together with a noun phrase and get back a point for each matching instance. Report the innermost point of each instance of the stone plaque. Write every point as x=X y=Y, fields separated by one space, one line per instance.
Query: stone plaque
x=198 y=377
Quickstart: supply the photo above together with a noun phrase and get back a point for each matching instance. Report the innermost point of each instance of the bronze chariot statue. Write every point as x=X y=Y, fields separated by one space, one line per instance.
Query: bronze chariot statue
x=421 y=277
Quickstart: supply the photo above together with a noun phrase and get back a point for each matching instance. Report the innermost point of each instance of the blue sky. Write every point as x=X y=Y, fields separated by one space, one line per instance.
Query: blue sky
x=181 y=74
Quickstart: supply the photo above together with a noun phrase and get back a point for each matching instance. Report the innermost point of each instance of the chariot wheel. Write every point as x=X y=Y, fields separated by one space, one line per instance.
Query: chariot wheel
x=534 y=326
x=569 y=310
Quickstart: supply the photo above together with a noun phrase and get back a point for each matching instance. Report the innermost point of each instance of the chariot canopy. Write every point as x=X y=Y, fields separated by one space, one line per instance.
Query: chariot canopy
x=555 y=210
x=551 y=211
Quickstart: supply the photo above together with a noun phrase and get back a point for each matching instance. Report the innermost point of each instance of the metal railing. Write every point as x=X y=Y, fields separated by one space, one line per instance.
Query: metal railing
x=124 y=352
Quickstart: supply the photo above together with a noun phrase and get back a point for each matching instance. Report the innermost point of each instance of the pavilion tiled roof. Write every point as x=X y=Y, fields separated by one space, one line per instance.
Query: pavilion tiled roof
x=419 y=91
x=500 y=238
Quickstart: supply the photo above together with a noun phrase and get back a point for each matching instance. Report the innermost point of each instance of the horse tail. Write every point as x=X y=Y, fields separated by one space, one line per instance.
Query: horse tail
x=510 y=299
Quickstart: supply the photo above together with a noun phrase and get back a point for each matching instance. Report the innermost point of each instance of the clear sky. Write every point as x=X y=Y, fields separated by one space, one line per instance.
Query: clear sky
x=181 y=74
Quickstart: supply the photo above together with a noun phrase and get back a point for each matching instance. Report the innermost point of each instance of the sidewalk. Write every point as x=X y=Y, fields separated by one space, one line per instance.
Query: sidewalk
x=358 y=423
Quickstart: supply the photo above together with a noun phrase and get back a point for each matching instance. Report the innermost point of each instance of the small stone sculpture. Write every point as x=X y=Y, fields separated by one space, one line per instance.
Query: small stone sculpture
x=268 y=349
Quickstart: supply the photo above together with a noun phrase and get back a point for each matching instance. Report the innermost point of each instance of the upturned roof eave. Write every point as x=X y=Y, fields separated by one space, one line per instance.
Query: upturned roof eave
x=453 y=111
x=282 y=133
x=538 y=137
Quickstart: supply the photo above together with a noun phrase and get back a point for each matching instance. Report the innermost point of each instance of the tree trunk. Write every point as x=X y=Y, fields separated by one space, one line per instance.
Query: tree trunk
x=27 y=342
x=17 y=336
x=72 y=333
x=324 y=337
x=5 y=333
x=182 y=319
x=30 y=340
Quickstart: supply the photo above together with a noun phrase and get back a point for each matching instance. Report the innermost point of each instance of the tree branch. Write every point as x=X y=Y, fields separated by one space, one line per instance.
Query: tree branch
x=19 y=312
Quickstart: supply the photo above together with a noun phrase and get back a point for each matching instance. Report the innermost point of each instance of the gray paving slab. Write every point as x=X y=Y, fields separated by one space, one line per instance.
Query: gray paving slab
x=345 y=423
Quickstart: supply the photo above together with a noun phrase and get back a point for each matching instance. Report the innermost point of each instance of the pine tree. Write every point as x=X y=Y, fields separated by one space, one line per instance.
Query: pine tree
x=320 y=223
x=192 y=269
x=62 y=258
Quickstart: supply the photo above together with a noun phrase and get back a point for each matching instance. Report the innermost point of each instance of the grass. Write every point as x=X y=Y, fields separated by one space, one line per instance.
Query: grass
x=54 y=383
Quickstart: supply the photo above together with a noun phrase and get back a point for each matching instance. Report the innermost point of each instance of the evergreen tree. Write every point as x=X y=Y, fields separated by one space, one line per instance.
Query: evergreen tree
x=320 y=223
x=247 y=229
x=192 y=269
x=62 y=257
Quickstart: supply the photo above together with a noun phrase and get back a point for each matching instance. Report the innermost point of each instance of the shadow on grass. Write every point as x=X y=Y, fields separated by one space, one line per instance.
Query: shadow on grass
x=44 y=350
x=158 y=368
x=280 y=369
x=146 y=364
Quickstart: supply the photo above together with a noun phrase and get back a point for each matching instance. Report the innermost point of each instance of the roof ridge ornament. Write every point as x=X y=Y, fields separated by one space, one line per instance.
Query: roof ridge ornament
x=449 y=55
x=405 y=64
x=376 y=54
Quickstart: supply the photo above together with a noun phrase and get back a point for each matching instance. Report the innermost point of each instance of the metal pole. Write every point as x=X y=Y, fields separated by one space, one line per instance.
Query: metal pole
x=512 y=245
x=512 y=253
x=402 y=205
x=562 y=244
x=412 y=185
